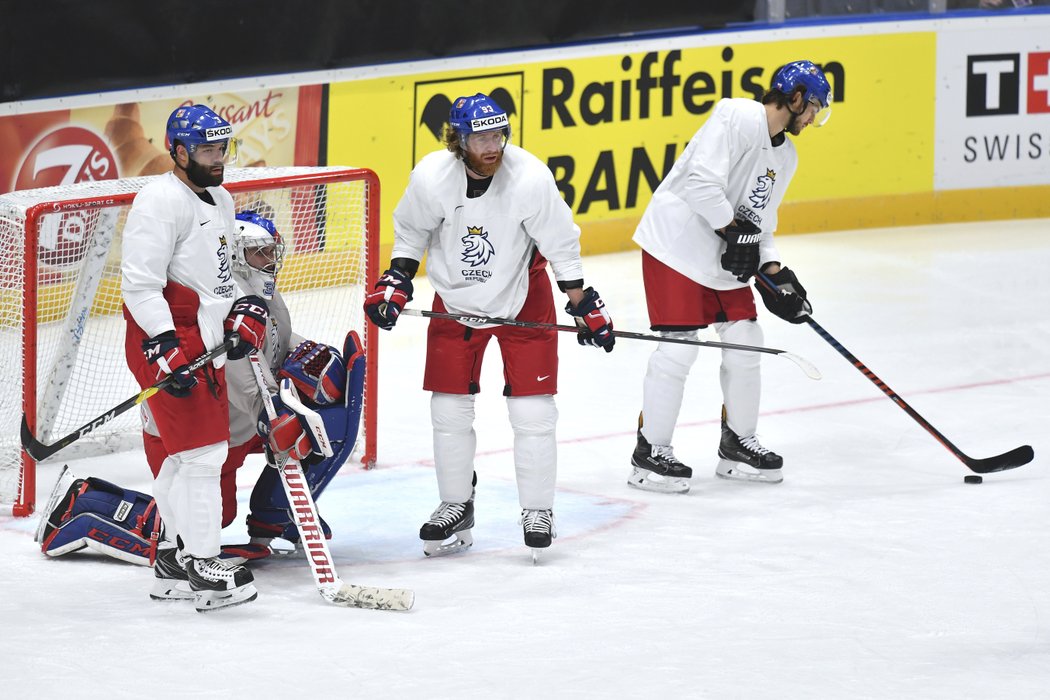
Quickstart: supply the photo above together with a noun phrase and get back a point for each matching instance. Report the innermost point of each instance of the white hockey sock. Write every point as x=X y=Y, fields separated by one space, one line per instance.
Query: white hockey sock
x=534 y=419
x=741 y=375
x=452 y=416
x=162 y=495
x=196 y=500
x=664 y=386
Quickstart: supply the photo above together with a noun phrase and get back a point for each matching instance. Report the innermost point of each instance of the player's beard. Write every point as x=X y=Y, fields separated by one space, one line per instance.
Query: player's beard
x=201 y=175
x=482 y=168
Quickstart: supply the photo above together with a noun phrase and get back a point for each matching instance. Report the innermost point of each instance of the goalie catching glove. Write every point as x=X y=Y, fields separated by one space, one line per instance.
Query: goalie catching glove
x=391 y=293
x=248 y=319
x=593 y=321
x=789 y=301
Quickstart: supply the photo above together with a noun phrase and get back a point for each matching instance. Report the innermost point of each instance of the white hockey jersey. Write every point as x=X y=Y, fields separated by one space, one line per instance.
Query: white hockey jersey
x=246 y=403
x=172 y=235
x=480 y=249
x=729 y=170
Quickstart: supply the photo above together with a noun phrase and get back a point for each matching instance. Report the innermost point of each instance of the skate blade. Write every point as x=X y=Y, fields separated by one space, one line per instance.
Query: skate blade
x=648 y=480
x=167 y=590
x=738 y=471
x=439 y=548
x=209 y=601
x=62 y=484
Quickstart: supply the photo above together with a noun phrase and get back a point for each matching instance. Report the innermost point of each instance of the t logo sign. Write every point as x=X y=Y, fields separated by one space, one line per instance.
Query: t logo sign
x=993 y=84
x=1038 y=83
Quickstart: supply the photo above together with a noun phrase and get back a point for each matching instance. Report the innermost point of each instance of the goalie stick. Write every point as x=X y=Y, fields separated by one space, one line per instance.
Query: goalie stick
x=805 y=365
x=40 y=451
x=1017 y=457
x=304 y=512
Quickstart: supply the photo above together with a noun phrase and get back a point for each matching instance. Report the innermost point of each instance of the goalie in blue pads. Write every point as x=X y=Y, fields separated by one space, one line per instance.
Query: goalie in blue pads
x=332 y=386
x=95 y=514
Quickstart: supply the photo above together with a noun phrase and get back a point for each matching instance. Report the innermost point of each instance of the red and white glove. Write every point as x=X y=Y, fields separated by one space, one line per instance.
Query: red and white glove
x=391 y=293
x=163 y=351
x=593 y=320
x=248 y=319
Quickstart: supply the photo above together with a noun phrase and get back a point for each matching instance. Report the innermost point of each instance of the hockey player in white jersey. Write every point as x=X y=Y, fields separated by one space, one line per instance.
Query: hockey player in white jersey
x=179 y=301
x=709 y=228
x=489 y=216
x=96 y=514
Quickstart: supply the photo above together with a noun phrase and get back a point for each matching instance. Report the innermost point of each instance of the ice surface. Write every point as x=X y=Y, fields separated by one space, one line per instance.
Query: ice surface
x=873 y=571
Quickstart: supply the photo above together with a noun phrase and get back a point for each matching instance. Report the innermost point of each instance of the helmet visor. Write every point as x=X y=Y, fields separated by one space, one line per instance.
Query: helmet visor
x=222 y=152
x=485 y=140
x=822 y=113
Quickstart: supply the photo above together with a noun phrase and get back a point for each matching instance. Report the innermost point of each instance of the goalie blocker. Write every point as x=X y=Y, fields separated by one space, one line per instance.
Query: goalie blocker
x=95 y=514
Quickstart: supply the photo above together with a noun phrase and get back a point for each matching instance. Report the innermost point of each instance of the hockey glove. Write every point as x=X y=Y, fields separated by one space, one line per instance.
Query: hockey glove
x=384 y=303
x=248 y=319
x=285 y=434
x=789 y=301
x=742 y=256
x=593 y=321
x=163 y=351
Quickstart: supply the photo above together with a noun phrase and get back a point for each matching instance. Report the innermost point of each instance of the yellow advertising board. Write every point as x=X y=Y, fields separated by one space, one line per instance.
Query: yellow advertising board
x=610 y=126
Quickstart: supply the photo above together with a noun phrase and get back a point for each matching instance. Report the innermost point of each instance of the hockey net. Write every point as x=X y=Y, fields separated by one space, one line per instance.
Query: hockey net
x=61 y=328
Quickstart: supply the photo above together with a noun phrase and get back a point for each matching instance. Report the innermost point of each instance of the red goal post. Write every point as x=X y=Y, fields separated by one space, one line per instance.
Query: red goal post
x=61 y=329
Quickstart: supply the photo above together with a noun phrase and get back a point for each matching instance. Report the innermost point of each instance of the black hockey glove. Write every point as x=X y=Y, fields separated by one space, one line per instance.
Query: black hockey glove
x=789 y=301
x=741 y=256
x=163 y=350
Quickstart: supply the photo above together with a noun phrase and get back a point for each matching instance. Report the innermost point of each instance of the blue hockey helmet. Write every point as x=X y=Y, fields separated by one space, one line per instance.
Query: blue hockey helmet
x=196 y=125
x=808 y=75
x=257 y=246
x=476 y=114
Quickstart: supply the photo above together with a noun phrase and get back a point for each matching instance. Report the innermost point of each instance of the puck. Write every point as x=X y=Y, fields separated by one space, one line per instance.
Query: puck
x=973 y=479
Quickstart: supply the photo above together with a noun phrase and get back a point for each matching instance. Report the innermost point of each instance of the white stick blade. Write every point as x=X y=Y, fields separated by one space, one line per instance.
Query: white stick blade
x=369 y=597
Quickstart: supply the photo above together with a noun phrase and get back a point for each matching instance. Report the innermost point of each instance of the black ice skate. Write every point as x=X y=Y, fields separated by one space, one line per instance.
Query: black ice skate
x=171 y=582
x=538 y=528
x=449 y=526
x=218 y=584
x=657 y=469
x=448 y=529
x=744 y=459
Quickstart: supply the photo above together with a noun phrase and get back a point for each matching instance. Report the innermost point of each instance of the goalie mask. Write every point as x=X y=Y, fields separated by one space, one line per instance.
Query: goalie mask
x=258 y=252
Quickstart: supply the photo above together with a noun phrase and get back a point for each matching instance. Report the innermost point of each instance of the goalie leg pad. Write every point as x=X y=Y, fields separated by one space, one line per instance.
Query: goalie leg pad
x=104 y=517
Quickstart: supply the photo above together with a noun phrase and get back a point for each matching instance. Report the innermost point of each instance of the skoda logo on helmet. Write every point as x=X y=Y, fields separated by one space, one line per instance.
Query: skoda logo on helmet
x=486 y=123
x=220 y=132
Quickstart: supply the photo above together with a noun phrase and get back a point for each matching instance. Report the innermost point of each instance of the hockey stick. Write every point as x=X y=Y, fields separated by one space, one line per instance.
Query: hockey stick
x=304 y=512
x=40 y=451
x=1016 y=457
x=805 y=365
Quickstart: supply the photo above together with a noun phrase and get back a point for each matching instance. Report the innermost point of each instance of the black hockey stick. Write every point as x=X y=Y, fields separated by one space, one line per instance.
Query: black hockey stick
x=1016 y=457
x=805 y=365
x=40 y=451
x=304 y=512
